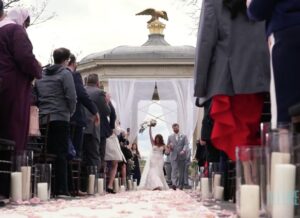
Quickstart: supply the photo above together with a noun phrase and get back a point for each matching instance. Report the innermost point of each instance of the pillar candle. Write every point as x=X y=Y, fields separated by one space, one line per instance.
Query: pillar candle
x=91 y=188
x=26 y=182
x=218 y=193
x=42 y=191
x=100 y=186
x=116 y=185
x=205 y=188
x=16 y=186
x=249 y=201
x=134 y=186
x=284 y=189
x=217 y=180
x=129 y=185
x=278 y=158
x=122 y=188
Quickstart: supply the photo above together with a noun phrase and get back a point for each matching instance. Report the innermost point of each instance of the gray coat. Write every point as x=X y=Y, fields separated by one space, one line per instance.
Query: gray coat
x=98 y=98
x=178 y=146
x=56 y=94
x=231 y=55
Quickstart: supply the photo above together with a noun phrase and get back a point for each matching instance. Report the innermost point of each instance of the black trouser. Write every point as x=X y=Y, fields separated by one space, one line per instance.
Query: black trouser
x=91 y=150
x=77 y=138
x=102 y=148
x=57 y=142
x=286 y=64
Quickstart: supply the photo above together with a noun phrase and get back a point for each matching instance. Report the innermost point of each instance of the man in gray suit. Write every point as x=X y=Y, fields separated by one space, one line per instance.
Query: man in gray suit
x=91 y=145
x=178 y=144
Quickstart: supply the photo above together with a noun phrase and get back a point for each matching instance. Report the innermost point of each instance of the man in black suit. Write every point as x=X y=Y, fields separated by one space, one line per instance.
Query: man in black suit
x=79 y=120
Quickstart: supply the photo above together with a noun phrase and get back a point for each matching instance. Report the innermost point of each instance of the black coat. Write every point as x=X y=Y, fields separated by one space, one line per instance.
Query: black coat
x=83 y=100
x=107 y=125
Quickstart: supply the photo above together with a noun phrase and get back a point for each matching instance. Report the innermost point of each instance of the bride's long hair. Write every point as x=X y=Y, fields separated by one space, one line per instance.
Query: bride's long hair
x=160 y=139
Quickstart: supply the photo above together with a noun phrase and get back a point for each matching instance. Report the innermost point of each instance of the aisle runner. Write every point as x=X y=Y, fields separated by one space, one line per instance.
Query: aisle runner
x=141 y=204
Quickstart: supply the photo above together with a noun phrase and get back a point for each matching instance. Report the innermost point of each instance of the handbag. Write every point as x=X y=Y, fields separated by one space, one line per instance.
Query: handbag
x=34 y=126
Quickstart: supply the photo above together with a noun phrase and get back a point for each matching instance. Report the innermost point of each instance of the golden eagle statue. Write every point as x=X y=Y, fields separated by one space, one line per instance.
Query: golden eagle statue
x=155 y=14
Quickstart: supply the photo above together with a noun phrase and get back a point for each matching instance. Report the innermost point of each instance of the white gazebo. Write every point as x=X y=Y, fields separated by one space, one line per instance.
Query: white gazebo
x=134 y=73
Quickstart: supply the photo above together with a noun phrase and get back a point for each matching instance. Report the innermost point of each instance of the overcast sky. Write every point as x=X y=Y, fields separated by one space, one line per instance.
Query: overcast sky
x=96 y=25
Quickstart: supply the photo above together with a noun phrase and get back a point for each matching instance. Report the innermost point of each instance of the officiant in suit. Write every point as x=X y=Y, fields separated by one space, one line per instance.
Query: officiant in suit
x=178 y=144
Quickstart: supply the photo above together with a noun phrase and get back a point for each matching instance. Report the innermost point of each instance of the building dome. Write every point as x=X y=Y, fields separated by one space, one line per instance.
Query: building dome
x=156 y=58
x=156 y=48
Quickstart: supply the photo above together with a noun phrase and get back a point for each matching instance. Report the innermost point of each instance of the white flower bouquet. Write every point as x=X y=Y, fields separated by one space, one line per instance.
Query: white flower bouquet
x=145 y=124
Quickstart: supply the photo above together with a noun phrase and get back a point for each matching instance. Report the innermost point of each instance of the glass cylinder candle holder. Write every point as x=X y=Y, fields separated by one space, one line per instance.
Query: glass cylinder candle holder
x=42 y=181
x=251 y=181
x=92 y=185
x=281 y=173
x=206 y=185
x=21 y=178
x=216 y=176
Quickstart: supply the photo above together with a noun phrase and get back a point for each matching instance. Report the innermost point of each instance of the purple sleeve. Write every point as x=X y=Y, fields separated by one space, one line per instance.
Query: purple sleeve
x=23 y=55
x=260 y=10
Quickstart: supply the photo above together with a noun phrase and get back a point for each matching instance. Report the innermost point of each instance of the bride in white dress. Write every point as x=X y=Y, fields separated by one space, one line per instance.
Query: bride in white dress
x=153 y=175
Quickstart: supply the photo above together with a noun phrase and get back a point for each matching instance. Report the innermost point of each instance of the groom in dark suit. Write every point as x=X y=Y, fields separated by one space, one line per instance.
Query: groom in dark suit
x=178 y=144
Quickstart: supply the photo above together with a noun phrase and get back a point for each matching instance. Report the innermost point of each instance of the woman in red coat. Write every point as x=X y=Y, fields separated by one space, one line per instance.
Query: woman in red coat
x=18 y=68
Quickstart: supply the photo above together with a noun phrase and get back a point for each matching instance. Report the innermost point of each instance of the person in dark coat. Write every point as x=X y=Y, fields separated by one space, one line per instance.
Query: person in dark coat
x=232 y=69
x=136 y=158
x=283 y=27
x=18 y=68
x=79 y=119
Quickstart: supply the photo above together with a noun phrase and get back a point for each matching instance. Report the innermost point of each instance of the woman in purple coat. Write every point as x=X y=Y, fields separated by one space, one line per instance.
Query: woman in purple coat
x=18 y=68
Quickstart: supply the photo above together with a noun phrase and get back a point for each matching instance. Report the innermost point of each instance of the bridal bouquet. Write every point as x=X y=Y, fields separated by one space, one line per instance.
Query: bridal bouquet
x=145 y=124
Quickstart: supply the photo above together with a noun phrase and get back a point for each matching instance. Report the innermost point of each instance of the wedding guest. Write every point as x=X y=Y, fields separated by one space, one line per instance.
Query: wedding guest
x=92 y=134
x=105 y=125
x=113 y=151
x=168 y=169
x=79 y=119
x=283 y=22
x=186 y=168
x=19 y=16
x=136 y=158
x=231 y=68
x=125 y=148
x=18 y=69
x=57 y=103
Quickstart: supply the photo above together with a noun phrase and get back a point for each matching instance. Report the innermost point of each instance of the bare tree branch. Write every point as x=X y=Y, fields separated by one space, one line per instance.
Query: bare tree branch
x=9 y=3
x=37 y=12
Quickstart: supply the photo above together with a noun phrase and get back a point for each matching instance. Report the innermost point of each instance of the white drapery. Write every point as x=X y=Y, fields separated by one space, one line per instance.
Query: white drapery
x=128 y=93
x=181 y=91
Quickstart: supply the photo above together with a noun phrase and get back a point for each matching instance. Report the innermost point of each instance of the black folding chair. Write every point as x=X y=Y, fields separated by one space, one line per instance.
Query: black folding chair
x=7 y=148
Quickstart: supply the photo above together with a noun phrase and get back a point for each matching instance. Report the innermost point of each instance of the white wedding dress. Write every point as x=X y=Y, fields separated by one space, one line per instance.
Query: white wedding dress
x=153 y=174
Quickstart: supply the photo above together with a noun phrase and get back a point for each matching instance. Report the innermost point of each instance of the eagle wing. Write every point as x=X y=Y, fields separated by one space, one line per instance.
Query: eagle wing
x=165 y=15
x=149 y=11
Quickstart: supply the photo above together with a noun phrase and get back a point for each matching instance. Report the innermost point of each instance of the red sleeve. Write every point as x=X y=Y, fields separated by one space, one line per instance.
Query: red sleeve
x=23 y=55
